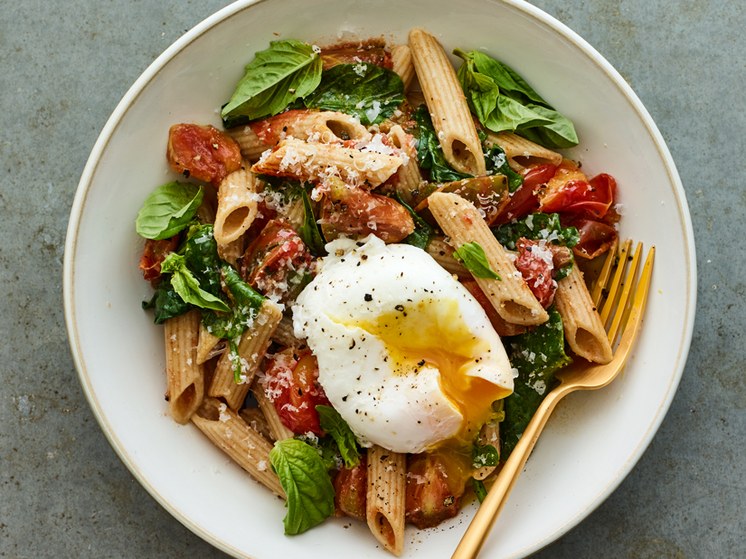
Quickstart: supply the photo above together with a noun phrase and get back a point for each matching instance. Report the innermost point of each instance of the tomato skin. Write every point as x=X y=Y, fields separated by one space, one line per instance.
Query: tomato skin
x=202 y=152
x=350 y=489
x=525 y=200
x=276 y=261
x=591 y=198
x=536 y=266
x=153 y=254
x=596 y=237
x=372 y=51
x=270 y=130
x=291 y=383
x=433 y=492
x=355 y=212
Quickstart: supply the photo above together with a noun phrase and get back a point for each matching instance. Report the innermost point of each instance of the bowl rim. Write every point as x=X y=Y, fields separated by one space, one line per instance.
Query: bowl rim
x=132 y=94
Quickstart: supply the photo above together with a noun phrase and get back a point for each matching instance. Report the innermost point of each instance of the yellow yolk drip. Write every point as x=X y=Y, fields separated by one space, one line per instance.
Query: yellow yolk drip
x=434 y=333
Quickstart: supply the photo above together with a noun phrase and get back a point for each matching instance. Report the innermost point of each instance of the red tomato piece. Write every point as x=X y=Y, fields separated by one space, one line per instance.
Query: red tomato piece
x=153 y=254
x=435 y=485
x=596 y=237
x=277 y=262
x=270 y=130
x=350 y=489
x=591 y=198
x=291 y=383
x=536 y=264
x=355 y=212
x=202 y=152
x=372 y=51
x=525 y=200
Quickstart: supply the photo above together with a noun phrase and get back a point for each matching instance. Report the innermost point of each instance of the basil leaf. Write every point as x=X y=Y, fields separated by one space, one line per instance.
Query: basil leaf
x=168 y=210
x=187 y=286
x=200 y=252
x=286 y=71
x=309 y=231
x=423 y=231
x=429 y=153
x=472 y=256
x=484 y=455
x=537 y=355
x=165 y=303
x=370 y=92
x=497 y=163
x=333 y=424
x=503 y=101
x=309 y=491
x=245 y=306
x=537 y=227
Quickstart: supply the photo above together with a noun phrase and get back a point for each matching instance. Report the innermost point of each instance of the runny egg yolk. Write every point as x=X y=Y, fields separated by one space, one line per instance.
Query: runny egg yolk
x=434 y=333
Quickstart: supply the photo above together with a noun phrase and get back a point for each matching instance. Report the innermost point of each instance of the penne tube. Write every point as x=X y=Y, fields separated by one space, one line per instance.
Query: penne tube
x=407 y=178
x=251 y=145
x=238 y=440
x=284 y=334
x=447 y=105
x=522 y=153
x=232 y=251
x=401 y=61
x=251 y=349
x=184 y=375
x=307 y=161
x=584 y=331
x=276 y=427
x=385 y=502
x=255 y=419
x=209 y=346
x=237 y=206
x=511 y=297
x=442 y=253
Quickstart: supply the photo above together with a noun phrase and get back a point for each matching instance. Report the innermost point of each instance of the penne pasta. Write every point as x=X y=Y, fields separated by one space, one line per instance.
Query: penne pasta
x=237 y=206
x=185 y=376
x=284 y=334
x=385 y=503
x=209 y=346
x=251 y=349
x=584 y=331
x=277 y=429
x=447 y=105
x=308 y=161
x=255 y=419
x=522 y=153
x=238 y=440
x=401 y=60
x=251 y=145
x=407 y=178
x=442 y=253
x=510 y=295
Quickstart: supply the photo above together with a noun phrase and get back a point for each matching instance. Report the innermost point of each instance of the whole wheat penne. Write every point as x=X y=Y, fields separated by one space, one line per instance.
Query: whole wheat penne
x=251 y=349
x=401 y=60
x=255 y=419
x=385 y=504
x=447 y=105
x=284 y=334
x=277 y=429
x=308 y=161
x=251 y=145
x=232 y=251
x=509 y=294
x=184 y=375
x=442 y=253
x=584 y=331
x=238 y=440
x=407 y=178
x=521 y=152
x=237 y=206
x=208 y=344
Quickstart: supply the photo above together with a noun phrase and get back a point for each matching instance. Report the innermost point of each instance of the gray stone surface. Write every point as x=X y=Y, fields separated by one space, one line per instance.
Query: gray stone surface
x=63 y=68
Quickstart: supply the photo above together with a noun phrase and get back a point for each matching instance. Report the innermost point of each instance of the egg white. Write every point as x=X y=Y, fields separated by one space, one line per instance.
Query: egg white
x=369 y=361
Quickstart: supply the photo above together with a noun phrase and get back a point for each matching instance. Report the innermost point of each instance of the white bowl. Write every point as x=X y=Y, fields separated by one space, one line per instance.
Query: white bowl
x=593 y=440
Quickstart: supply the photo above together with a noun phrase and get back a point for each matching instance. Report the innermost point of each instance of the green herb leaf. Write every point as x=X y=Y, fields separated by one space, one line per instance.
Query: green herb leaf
x=472 y=256
x=309 y=491
x=537 y=355
x=497 y=163
x=503 y=101
x=286 y=71
x=423 y=231
x=367 y=91
x=429 y=153
x=200 y=252
x=485 y=455
x=187 y=286
x=333 y=424
x=309 y=231
x=165 y=303
x=479 y=489
x=168 y=210
x=537 y=227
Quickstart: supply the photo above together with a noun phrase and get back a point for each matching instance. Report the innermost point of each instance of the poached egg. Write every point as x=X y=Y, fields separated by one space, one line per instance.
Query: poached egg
x=406 y=355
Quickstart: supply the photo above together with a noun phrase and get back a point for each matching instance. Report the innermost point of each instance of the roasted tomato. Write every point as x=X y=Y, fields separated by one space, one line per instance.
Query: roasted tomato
x=488 y=194
x=353 y=212
x=291 y=384
x=202 y=152
x=372 y=51
x=502 y=327
x=153 y=254
x=569 y=191
x=525 y=200
x=596 y=237
x=536 y=264
x=350 y=488
x=277 y=262
x=435 y=485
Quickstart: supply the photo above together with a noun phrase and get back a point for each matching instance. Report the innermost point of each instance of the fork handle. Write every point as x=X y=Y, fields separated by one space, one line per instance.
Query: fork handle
x=487 y=513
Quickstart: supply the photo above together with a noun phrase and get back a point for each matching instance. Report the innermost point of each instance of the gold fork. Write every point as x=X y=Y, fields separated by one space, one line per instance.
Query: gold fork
x=618 y=313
